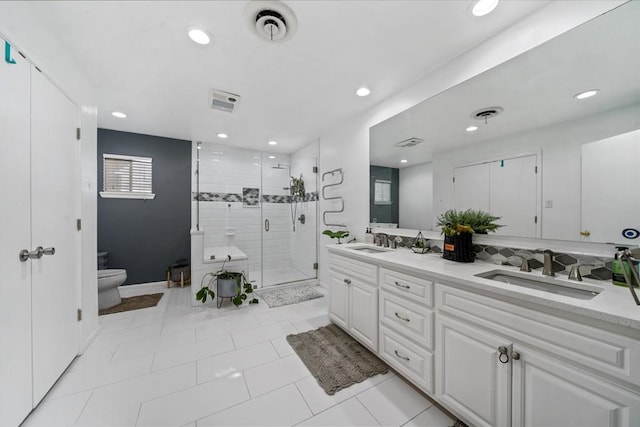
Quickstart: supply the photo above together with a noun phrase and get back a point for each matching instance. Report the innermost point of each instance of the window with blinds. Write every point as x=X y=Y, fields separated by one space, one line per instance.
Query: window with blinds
x=127 y=177
x=382 y=192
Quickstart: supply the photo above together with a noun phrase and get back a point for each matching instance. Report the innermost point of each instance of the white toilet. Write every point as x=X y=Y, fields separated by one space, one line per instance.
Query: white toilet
x=108 y=282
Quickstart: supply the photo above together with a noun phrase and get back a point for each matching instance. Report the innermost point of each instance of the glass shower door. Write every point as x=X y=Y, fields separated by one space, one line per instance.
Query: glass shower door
x=289 y=214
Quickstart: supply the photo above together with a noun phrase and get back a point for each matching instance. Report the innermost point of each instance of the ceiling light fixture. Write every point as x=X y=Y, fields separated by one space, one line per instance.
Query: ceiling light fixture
x=199 y=36
x=222 y=135
x=472 y=128
x=272 y=157
x=404 y=161
x=119 y=114
x=363 y=91
x=587 y=94
x=484 y=7
x=273 y=143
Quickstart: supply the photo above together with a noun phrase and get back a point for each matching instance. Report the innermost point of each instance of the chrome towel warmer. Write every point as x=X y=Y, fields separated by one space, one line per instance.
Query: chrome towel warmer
x=324 y=187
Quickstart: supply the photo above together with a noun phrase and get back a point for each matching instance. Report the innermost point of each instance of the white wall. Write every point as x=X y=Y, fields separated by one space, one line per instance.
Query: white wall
x=561 y=165
x=347 y=146
x=416 y=197
x=28 y=34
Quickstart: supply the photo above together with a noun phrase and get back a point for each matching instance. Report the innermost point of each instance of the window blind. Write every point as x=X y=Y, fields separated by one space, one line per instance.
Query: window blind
x=382 y=192
x=127 y=174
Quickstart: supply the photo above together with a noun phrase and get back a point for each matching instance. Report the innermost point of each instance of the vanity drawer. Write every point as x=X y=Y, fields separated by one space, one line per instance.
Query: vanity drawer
x=358 y=269
x=413 y=362
x=415 y=288
x=577 y=342
x=412 y=320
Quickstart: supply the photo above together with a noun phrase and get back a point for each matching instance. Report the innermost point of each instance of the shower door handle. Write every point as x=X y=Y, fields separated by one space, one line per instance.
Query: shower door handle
x=266 y=225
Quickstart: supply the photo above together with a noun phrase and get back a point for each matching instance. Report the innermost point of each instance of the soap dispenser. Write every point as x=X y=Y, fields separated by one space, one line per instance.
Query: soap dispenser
x=368 y=237
x=617 y=277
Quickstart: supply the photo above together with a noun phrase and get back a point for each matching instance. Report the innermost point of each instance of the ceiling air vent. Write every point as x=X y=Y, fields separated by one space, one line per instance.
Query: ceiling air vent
x=223 y=101
x=408 y=143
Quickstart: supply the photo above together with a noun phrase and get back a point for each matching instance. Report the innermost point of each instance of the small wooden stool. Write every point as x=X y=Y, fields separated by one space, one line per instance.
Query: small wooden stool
x=185 y=277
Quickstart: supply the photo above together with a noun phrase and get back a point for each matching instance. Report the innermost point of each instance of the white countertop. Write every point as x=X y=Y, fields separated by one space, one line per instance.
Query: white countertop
x=613 y=304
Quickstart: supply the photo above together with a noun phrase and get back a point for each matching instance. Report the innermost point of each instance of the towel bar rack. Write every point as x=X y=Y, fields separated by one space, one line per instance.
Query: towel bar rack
x=324 y=187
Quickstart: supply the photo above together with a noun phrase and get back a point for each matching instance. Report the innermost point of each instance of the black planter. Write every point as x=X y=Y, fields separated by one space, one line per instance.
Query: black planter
x=458 y=248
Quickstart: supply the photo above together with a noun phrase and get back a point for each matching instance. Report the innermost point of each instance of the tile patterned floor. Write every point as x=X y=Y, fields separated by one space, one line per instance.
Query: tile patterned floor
x=174 y=365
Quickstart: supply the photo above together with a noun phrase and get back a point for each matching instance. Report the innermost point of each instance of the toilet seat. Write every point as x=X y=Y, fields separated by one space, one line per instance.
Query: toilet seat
x=112 y=272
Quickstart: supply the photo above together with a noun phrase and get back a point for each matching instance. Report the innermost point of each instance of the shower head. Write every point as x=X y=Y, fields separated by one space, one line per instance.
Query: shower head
x=280 y=166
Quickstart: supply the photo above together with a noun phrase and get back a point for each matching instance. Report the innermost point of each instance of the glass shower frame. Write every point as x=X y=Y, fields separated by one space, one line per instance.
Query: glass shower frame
x=239 y=194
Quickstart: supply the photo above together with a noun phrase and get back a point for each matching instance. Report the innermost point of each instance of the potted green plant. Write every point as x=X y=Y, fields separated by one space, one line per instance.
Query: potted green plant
x=336 y=234
x=458 y=227
x=230 y=284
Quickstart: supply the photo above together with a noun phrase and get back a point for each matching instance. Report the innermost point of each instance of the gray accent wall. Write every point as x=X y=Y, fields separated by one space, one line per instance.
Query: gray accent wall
x=146 y=236
x=384 y=213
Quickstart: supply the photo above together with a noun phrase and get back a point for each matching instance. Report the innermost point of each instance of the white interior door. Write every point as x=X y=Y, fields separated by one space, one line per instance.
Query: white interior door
x=513 y=195
x=471 y=187
x=610 y=182
x=15 y=286
x=54 y=210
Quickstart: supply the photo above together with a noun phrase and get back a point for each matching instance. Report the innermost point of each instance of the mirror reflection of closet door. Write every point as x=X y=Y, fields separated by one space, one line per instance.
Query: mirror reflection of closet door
x=610 y=188
x=506 y=188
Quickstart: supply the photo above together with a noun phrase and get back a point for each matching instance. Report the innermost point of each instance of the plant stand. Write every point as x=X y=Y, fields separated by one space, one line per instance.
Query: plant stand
x=179 y=273
x=225 y=288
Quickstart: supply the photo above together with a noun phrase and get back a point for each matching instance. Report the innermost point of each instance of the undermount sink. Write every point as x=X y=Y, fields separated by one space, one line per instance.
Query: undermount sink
x=371 y=249
x=553 y=286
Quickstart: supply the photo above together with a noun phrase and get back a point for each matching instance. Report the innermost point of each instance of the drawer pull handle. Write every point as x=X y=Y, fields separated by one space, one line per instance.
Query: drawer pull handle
x=347 y=281
x=402 y=286
x=503 y=356
x=401 y=356
x=402 y=318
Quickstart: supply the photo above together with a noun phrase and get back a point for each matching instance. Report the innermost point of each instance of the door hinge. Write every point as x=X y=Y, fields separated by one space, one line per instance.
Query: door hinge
x=79 y=224
x=535 y=219
x=79 y=315
x=315 y=169
x=78 y=133
x=536 y=170
x=315 y=265
x=454 y=179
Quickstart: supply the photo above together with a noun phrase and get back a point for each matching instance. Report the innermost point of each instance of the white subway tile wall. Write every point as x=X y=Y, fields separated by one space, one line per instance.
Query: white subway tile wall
x=224 y=173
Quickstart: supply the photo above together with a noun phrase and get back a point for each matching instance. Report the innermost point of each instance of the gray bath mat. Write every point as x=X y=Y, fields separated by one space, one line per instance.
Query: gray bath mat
x=334 y=358
x=280 y=297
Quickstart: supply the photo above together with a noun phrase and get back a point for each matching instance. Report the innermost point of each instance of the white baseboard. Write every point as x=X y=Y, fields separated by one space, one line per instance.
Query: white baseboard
x=141 y=288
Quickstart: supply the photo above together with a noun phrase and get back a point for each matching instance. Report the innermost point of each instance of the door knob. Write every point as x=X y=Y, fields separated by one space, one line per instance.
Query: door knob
x=515 y=355
x=585 y=233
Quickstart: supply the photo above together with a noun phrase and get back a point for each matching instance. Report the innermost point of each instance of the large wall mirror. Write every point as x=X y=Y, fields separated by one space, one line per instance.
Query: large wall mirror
x=515 y=141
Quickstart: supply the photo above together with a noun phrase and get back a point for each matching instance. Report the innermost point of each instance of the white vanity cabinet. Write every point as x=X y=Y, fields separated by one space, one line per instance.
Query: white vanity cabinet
x=353 y=298
x=499 y=364
x=406 y=325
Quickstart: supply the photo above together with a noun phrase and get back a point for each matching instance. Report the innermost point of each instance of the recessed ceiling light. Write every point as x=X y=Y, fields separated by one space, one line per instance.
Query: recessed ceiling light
x=404 y=161
x=222 y=135
x=484 y=7
x=363 y=91
x=472 y=128
x=587 y=94
x=199 y=36
x=272 y=157
x=119 y=114
x=273 y=142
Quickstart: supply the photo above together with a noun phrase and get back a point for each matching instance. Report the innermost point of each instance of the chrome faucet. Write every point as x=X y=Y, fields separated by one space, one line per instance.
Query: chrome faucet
x=386 y=239
x=547 y=269
x=574 y=273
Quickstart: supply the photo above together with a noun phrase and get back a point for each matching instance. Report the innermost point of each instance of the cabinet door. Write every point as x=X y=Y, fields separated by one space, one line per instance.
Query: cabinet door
x=469 y=377
x=15 y=229
x=338 y=299
x=548 y=393
x=364 y=313
x=55 y=188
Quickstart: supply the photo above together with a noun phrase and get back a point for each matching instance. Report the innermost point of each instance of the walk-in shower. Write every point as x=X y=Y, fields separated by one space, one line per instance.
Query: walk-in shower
x=265 y=204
